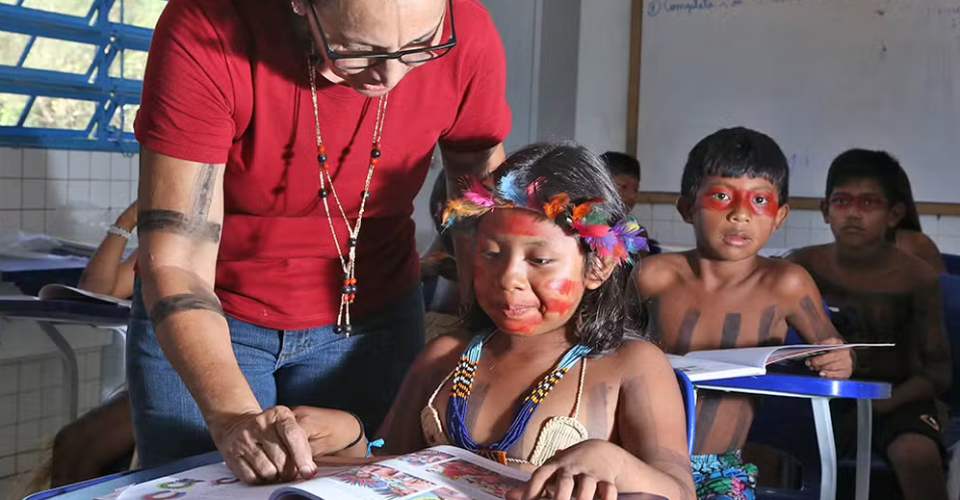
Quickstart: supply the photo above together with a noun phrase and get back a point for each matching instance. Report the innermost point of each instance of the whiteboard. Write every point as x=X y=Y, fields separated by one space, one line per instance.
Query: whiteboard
x=819 y=76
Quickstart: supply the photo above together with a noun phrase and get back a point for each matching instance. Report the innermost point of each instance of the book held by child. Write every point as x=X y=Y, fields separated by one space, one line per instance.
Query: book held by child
x=717 y=364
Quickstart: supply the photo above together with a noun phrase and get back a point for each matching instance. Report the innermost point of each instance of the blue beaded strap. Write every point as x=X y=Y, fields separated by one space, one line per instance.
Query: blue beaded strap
x=460 y=396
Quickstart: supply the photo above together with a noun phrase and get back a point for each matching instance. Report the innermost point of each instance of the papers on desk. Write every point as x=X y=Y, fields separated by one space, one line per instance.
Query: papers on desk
x=439 y=473
x=64 y=292
x=748 y=361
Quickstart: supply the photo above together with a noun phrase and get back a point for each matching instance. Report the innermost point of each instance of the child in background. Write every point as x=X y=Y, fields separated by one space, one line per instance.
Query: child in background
x=722 y=295
x=907 y=235
x=551 y=301
x=885 y=295
x=108 y=273
x=625 y=170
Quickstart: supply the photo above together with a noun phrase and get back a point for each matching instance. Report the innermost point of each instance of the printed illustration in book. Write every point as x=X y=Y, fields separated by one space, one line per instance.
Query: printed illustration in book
x=439 y=473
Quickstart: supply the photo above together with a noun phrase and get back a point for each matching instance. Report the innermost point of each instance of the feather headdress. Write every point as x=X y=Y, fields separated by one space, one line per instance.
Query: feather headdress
x=586 y=218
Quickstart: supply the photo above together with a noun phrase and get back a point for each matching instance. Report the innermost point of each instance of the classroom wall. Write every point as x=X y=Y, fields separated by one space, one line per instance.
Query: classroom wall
x=71 y=194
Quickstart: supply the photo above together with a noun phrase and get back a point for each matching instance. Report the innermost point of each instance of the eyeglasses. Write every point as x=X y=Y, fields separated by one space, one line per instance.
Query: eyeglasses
x=355 y=62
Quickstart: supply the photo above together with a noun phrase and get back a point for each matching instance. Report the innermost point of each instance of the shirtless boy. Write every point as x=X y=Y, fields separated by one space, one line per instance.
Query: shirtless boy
x=885 y=295
x=722 y=294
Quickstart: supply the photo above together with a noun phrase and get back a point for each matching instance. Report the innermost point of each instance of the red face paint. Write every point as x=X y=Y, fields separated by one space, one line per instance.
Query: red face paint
x=517 y=222
x=868 y=202
x=754 y=202
x=558 y=306
x=564 y=286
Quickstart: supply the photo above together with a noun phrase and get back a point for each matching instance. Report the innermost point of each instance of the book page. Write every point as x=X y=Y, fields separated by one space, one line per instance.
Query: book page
x=439 y=473
x=760 y=357
x=700 y=368
x=64 y=292
x=799 y=352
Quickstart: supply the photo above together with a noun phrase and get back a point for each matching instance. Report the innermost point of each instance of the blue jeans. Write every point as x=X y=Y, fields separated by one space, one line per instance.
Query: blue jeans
x=314 y=367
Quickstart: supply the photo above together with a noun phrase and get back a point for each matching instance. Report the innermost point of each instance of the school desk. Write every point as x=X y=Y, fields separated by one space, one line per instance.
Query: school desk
x=48 y=314
x=820 y=391
x=30 y=274
x=93 y=488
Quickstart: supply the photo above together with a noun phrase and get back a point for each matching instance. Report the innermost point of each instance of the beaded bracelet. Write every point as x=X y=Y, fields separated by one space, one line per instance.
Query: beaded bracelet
x=119 y=231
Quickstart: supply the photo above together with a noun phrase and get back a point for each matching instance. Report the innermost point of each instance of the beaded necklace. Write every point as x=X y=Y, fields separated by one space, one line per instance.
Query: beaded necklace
x=349 y=289
x=460 y=396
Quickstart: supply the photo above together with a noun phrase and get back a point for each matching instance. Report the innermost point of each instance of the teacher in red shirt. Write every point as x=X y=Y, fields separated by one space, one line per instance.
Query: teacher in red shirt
x=282 y=144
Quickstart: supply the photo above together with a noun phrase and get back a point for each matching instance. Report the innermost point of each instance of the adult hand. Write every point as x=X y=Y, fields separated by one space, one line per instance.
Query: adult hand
x=833 y=364
x=265 y=446
x=128 y=219
x=331 y=432
x=586 y=469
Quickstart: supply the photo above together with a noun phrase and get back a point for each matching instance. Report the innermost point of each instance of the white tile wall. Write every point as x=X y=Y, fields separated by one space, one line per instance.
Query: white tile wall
x=32 y=407
x=71 y=194
x=802 y=228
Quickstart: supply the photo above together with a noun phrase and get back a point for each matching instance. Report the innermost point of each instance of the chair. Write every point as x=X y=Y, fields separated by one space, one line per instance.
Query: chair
x=950 y=293
x=688 y=393
x=952 y=263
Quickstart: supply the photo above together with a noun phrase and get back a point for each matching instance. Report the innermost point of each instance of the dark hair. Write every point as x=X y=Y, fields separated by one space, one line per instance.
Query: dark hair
x=886 y=171
x=606 y=316
x=735 y=152
x=621 y=164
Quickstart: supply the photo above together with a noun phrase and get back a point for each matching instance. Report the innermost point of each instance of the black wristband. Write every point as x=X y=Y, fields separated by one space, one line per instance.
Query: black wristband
x=363 y=432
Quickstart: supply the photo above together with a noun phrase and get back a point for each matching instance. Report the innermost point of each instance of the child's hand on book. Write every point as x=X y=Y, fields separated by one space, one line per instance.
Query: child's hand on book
x=833 y=364
x=331 y=432
x=584 y=470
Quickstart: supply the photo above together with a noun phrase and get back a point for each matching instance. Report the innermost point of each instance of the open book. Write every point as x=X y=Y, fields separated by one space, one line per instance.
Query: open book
x=64 y=292
x=439 y=473
x=746 y=361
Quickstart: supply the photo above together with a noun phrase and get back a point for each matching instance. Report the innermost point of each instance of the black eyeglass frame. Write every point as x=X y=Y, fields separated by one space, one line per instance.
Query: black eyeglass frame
x=380 y=57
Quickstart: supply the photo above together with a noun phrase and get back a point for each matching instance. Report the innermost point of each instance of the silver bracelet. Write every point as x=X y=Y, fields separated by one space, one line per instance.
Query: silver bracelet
x=119 y=231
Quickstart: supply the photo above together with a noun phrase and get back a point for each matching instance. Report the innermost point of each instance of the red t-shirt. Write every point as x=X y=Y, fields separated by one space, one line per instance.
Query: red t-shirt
x=227 y=82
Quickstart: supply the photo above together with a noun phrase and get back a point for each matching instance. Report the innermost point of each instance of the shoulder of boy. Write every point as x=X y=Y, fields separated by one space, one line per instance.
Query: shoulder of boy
x=657 y=271
x=790 y=278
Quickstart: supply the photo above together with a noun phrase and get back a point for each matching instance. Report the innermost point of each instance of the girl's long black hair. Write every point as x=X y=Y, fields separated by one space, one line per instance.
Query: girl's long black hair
x=609 y=314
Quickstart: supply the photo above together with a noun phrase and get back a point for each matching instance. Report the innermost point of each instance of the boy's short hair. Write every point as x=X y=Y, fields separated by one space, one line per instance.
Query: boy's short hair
x=621 y=164
x=881 y=167
x=735 y=152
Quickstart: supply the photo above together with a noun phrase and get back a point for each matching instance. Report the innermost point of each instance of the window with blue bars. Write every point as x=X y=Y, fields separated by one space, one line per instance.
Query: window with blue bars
x=71 y=71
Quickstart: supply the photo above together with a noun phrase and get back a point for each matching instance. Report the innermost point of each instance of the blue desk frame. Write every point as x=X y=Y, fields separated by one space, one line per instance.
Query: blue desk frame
x=820 y=391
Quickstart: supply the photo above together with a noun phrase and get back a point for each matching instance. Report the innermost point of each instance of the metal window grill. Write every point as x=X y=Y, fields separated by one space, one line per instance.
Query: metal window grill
x=66 y=78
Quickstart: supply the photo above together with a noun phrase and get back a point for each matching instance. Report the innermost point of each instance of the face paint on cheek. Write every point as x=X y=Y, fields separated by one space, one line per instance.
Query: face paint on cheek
x=564 y=286
x=526 y=325
x=558 y=306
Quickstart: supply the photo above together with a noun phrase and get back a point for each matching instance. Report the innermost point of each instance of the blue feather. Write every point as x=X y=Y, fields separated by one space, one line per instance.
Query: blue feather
x=509 y=190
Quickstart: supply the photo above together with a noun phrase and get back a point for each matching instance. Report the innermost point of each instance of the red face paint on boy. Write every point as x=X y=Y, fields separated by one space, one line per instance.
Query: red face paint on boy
x=722 y=198
x=868 y=202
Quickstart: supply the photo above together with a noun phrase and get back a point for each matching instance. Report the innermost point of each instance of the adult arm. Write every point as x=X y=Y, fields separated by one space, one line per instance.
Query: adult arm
x=179 y=222
x=457 y=165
